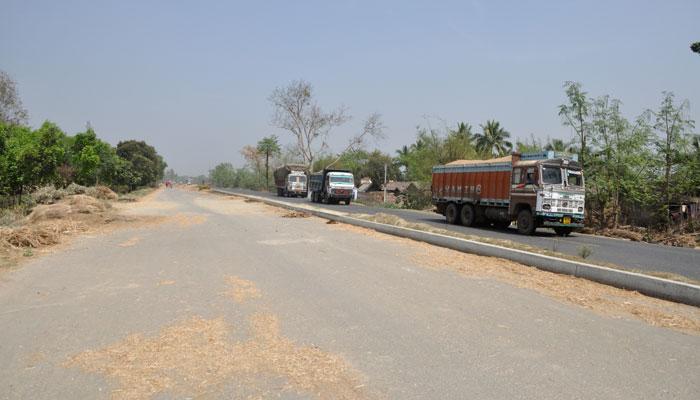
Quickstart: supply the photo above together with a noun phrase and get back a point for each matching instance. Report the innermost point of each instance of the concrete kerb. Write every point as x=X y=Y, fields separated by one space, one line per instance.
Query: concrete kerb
x=652 y=286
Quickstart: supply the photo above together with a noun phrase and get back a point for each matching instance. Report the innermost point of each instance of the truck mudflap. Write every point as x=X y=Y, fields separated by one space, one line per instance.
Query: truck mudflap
x=560 y=220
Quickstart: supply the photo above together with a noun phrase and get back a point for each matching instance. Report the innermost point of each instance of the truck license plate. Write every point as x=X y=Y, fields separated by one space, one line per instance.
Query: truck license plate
x=567 y=220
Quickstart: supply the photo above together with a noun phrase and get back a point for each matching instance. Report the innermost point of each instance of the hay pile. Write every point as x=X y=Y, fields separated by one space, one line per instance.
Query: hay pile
x=68 y=207
x=45 y=225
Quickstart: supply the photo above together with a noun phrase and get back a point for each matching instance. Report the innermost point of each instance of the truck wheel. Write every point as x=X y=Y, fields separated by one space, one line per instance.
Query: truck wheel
x=452 y=214
x=279 y=192
x=468 y=215
x=526 y=222
x=560 y=231
x=347 y=202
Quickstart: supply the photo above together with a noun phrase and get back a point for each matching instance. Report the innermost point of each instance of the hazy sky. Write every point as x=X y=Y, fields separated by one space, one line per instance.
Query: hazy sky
x=193 y=77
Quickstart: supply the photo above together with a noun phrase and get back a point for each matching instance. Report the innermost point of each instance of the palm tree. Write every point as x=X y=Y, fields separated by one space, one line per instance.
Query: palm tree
x=558 y=145
x=492 y=141
x=268 y=146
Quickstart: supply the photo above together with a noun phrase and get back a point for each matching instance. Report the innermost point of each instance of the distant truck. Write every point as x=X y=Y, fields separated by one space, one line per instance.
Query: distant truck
x=543 y=189
x=331 y=186
x=290 y=180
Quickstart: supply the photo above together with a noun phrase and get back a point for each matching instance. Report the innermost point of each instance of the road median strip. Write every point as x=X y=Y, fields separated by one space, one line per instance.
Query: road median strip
x=652 y=286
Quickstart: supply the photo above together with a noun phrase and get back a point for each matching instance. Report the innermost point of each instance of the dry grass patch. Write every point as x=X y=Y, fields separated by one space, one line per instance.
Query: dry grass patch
x=241 y=290
x=131 y=242
x=295 y=214
x=198 y=357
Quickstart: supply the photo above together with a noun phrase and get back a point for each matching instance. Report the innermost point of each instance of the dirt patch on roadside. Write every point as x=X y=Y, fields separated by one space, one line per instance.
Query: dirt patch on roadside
x=232 y=205
x=241 y=290
x=197 y=357
x=187 y=219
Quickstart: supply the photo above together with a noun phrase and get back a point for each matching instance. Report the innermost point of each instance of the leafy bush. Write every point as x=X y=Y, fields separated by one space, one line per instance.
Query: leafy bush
x=417 y=199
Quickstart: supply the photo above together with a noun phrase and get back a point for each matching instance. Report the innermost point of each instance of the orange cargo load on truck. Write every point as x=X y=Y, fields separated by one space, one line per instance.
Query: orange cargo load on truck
x=484 y=181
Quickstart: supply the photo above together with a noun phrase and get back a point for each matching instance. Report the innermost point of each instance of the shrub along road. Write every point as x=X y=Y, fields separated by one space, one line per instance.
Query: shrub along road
x=230 y=299
x=634 y=256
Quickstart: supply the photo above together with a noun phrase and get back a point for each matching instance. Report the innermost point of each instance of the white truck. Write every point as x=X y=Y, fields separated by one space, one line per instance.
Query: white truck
x=332 y=186
x=291 y=180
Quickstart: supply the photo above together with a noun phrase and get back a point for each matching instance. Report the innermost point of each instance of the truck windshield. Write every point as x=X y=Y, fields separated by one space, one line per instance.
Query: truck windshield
x=341 y=179
x=574 y=178
x=300 y=179
x=551 y=175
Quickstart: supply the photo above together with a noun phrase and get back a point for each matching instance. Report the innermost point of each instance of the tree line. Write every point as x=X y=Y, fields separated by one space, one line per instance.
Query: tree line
x=636 y=170
x=30 y=158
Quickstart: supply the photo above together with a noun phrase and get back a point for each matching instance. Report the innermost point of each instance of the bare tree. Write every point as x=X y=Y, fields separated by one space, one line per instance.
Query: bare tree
x=373 y=128
x=11 y=110
x=296 y=111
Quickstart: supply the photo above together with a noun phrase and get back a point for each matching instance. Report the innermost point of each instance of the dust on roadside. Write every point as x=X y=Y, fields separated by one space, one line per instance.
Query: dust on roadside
x=602 y=299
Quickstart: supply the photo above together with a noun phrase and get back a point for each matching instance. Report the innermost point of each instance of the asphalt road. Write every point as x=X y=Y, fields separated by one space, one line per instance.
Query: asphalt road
x=635 y=256
x=229 y=299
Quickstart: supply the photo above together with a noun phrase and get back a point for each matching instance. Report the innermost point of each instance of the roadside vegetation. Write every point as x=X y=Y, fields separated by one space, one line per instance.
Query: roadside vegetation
x=48 y=157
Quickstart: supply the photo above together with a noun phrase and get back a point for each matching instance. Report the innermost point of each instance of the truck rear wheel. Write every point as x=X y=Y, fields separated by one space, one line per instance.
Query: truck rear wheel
x=452 y=214
x=526 y=222
x=468 y=215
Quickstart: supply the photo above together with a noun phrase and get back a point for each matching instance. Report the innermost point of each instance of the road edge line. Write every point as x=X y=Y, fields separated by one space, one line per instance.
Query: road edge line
x=666 y=289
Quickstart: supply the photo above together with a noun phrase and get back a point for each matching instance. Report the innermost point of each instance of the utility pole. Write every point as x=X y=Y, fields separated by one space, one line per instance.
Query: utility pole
x=384 y=182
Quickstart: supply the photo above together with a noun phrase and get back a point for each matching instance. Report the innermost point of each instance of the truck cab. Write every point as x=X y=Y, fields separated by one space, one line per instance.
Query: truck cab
x=296 y=184
x=547 y=191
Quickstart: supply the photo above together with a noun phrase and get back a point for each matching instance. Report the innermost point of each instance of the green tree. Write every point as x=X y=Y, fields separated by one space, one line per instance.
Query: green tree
x=223 y=175
x=493 y=140
x=269 y=146
x=459 y=144
x=22 y=162
x=673 y=127
x=148 y=166
x=575 y=114
x=51 y=153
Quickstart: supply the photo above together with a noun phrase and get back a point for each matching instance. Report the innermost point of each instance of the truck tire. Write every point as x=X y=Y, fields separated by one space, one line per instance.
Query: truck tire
x=279 y=192
x=347 y=202
x=468 y=215
x=452 y=214
x=526 y=222
x=561 y=231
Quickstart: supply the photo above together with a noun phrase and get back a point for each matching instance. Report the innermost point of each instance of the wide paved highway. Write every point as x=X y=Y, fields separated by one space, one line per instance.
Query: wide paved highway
x=635 y=256
x=225 y=299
